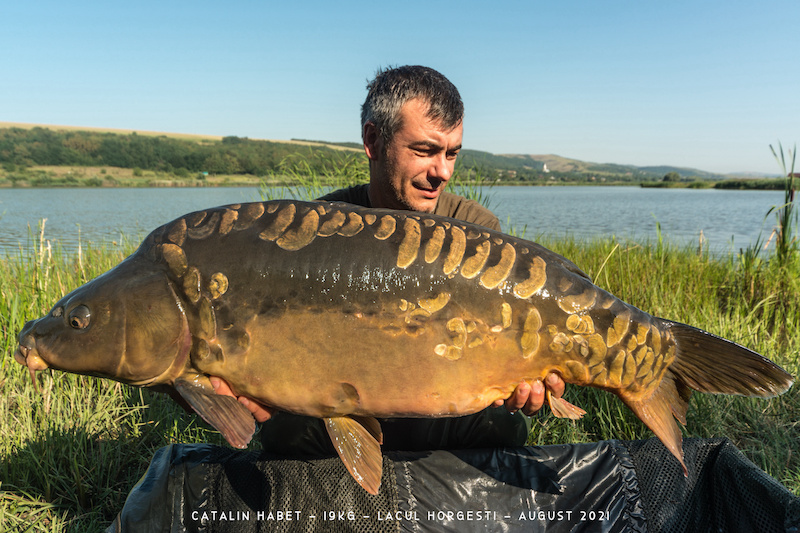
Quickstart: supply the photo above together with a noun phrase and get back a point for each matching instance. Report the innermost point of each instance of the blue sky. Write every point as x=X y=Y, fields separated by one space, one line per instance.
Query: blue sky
x=704 y=84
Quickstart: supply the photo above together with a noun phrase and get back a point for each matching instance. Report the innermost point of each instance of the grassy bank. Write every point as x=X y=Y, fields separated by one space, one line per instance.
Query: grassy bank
x=70 y=176
x=107 y=176
x=766 y=184
x=70 y=453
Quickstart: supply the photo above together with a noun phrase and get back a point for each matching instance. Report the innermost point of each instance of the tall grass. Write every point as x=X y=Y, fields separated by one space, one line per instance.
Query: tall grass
x=770 y=278
x=473 y=184
x=786 y=245
x=70 y=452
x=317 y=175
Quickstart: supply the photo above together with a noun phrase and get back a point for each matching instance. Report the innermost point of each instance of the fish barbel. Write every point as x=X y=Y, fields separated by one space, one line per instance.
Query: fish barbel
x=348 y=314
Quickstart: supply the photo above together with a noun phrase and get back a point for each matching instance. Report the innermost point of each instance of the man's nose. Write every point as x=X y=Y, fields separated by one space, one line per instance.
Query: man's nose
x=441 y=168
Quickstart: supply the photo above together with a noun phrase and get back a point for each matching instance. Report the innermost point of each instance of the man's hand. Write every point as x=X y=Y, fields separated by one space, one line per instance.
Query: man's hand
x=260 y=412
x=530 y=398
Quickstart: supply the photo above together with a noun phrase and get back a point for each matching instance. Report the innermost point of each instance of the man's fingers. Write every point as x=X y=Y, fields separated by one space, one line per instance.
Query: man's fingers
x=530 y=397
x=535 y=399
x=220 y=386
x=260 y=413
x=520 y=397
x=556 y=385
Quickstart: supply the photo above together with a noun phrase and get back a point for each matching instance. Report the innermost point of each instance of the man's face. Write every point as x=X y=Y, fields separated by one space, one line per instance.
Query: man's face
x=412 y=170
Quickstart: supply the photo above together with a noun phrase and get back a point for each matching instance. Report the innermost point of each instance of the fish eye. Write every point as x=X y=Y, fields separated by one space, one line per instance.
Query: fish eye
x=79 y=317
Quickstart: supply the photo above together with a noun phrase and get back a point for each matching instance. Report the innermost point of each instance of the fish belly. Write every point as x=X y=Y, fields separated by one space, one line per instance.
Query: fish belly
x=334 y=364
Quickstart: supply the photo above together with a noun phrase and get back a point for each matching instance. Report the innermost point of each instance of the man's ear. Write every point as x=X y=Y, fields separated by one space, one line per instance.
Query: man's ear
x=373 y=142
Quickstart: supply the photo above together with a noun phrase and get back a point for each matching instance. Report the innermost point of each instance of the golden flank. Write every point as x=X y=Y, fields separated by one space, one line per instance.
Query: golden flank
x=380 y=314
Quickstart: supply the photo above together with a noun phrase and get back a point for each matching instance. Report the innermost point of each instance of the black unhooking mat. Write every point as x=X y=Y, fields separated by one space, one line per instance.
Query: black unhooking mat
x=609 y=486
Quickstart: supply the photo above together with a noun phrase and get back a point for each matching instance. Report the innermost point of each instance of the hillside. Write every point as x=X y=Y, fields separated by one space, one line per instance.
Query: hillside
x=190 y=156
x=556 y=163
x=33 y=155
x=184 y=136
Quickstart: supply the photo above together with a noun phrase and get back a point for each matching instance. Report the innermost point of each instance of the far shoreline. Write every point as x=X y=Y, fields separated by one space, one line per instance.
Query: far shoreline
x=97 y=177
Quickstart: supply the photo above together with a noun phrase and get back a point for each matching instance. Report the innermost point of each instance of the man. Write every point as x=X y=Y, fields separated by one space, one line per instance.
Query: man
x=412 y=126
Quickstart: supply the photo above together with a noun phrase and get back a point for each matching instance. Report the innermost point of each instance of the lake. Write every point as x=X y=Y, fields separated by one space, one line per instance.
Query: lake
x=729 y=220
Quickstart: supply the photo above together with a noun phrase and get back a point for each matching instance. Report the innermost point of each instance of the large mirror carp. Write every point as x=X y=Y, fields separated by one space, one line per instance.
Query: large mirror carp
x=348 y=314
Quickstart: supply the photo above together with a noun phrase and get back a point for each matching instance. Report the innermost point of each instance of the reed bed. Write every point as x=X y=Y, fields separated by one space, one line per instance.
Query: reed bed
x=71 y=452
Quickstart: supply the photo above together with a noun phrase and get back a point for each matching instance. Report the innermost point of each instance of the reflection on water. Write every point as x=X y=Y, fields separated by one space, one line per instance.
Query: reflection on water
x=729 y=220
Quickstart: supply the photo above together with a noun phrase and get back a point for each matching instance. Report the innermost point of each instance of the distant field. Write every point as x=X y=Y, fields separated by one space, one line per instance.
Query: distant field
x=107 y=176
x=189 y=136
x=255 y=161
x=184 y=136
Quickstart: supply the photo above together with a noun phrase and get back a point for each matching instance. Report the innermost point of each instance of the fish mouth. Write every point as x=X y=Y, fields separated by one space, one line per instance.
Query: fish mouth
x=27 y=356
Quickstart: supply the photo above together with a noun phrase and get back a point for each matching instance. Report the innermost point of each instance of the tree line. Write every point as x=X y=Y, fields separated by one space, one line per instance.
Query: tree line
x=232 y=155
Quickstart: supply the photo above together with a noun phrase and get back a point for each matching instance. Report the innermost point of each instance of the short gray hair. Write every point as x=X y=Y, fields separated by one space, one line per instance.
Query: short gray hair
x=393 y=87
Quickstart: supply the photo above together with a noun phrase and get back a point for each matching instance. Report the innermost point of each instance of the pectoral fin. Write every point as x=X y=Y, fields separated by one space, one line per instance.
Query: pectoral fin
x=225 y=413
x=372 y=425
x=357 y=441
x=563 y=409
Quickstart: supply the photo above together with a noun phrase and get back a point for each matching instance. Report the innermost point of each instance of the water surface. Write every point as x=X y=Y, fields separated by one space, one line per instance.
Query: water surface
x=728 y=220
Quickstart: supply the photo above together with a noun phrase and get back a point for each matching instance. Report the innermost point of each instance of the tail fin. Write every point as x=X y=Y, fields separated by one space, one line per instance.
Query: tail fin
x=705 y=363
x=708 y=363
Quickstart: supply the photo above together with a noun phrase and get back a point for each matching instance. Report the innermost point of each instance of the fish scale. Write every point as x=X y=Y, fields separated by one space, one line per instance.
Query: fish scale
x=349 y=313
